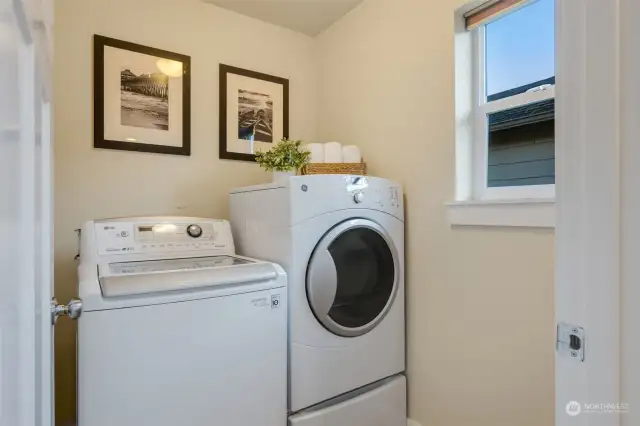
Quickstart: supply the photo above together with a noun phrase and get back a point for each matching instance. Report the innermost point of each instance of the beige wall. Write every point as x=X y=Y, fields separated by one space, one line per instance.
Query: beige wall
x=92 y=183
x=480 y=300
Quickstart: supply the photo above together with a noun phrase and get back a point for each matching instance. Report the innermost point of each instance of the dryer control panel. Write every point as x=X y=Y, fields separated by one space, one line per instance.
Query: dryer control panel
x=149 y=236
x=376 y=196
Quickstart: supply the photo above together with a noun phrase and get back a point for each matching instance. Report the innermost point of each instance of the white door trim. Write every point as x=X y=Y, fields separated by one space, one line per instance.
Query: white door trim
x=26 y=237
x=588 y=203
x=46 y=385
x=630 y=210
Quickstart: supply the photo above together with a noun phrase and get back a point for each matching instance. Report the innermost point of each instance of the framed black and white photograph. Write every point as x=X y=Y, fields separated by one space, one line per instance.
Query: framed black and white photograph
x=141 y=98
x=254 y=112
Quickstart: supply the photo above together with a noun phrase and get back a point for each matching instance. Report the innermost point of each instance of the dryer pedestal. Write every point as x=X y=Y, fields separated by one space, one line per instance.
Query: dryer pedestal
x=380 y=404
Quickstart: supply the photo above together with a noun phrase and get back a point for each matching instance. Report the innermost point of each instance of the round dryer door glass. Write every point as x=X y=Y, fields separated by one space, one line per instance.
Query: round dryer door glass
x=352 y=277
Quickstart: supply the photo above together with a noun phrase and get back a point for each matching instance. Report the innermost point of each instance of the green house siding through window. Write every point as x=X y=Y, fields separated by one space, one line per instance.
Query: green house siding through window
x=522 y=146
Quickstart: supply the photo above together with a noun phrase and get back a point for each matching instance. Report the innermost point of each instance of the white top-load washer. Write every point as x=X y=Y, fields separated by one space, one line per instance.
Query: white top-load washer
x=341 y=241
x=176 y=328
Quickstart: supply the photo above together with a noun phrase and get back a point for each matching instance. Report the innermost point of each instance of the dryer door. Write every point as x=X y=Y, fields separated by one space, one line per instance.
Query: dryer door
x=352 y=277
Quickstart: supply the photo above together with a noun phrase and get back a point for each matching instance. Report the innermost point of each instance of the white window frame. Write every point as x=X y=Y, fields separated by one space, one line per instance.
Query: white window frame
x=482 y=108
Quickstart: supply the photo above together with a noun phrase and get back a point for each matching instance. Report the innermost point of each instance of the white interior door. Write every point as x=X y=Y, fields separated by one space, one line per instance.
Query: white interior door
x=26 y=349
x=597 y=158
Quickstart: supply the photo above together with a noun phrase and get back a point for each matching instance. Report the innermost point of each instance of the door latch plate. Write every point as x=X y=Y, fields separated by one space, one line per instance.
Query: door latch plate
x=571 y=341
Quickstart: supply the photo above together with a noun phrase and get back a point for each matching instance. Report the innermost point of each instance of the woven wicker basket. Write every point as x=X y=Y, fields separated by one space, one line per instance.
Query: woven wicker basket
x=335 y=169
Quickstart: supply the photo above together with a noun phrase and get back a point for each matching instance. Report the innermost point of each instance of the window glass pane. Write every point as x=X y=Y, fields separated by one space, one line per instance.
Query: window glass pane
x=520 y=50
x=522 y=146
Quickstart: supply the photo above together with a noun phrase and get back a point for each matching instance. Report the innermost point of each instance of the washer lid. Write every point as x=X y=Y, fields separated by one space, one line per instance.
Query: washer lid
x=163 y=275
x=352 y=277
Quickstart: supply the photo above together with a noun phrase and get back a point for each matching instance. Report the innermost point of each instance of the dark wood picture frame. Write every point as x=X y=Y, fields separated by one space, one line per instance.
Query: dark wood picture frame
x=99 y=43
x=228 y=69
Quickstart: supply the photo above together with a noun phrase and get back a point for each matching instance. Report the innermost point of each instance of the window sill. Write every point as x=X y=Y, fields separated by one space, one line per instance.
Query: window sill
x=533 y=213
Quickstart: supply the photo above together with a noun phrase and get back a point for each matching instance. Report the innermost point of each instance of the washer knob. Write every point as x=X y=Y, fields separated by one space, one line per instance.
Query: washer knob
x=358 y=197
x=194 y=231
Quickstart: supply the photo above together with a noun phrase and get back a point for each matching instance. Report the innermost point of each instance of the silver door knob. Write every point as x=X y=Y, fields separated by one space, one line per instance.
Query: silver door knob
x=73 y=309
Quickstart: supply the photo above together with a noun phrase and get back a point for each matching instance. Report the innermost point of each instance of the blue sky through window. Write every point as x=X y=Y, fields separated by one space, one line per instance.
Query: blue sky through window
x=520 y=47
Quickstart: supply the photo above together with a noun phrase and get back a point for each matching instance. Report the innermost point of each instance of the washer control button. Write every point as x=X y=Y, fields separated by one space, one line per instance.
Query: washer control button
x=358 y=197
x=194 y=231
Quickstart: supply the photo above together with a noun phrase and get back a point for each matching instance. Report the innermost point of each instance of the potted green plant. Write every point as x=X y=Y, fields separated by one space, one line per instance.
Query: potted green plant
x=284 y=159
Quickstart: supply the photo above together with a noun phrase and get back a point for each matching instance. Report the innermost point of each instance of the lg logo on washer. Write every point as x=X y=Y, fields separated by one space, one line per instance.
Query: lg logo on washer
x=275 y=301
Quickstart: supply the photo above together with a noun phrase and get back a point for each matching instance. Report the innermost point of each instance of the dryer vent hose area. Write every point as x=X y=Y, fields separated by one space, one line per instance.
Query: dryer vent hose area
x=411 y=422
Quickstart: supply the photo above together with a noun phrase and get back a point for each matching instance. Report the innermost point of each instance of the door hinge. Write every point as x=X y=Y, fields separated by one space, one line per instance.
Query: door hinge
x=571 y=341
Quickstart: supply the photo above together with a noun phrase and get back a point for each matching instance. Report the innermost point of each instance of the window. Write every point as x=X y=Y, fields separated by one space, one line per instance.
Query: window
x=514 y=104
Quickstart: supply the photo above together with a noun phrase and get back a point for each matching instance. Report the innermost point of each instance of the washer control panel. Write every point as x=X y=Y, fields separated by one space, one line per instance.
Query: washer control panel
x=121 y=237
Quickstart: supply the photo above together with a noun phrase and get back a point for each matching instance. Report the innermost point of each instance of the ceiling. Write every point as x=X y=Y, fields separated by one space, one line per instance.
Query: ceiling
x=306 y=16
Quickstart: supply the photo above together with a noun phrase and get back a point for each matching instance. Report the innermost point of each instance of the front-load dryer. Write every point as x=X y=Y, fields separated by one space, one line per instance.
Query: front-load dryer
x=341 y=241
